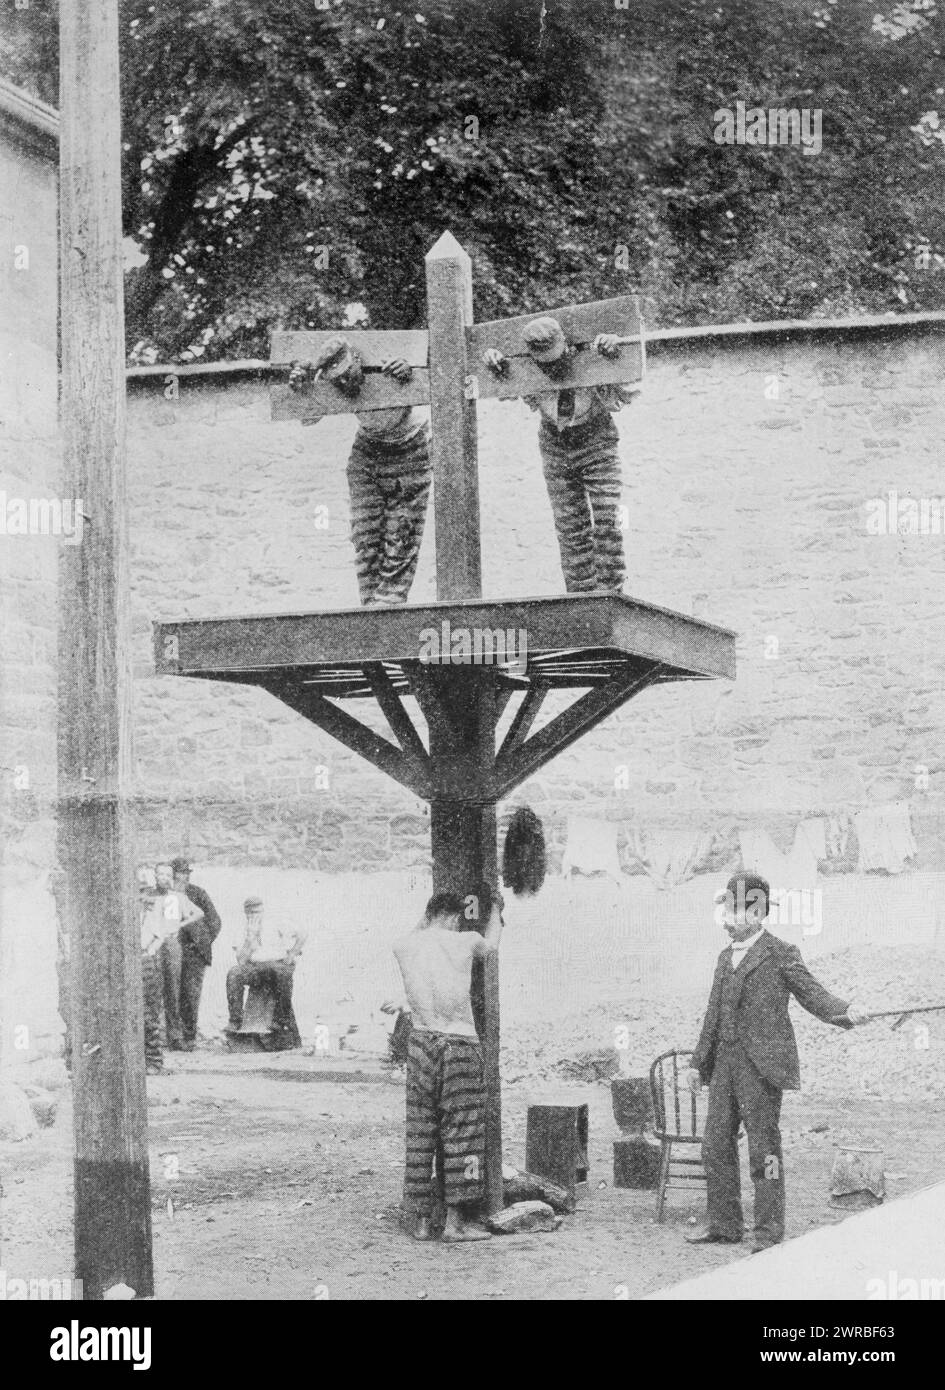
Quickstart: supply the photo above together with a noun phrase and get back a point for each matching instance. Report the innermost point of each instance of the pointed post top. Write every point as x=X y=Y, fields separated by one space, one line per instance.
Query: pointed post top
x=447 y=249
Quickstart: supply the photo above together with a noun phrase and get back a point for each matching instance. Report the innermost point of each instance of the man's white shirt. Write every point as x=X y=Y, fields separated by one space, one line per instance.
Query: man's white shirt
x=739 y=948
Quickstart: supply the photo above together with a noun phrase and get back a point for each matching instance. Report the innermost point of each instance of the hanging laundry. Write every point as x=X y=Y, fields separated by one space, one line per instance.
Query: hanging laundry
x=801 y=864
x=761 y=855
x=814 y=833
x=591 y=848
x=885 y=836
x=838 y=834
x=671 y=857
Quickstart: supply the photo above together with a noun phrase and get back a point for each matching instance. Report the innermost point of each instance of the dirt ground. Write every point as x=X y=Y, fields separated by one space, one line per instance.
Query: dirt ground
x=287 y=1176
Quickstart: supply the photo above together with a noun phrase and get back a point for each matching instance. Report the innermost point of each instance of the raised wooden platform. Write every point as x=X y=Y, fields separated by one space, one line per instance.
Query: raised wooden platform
x=609 y=646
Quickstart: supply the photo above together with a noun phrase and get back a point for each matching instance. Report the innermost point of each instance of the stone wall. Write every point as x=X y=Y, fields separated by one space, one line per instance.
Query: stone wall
x=28 y=570
x=750 y=462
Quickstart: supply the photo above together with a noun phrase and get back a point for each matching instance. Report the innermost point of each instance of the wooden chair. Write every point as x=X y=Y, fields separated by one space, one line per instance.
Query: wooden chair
x=678 y=1116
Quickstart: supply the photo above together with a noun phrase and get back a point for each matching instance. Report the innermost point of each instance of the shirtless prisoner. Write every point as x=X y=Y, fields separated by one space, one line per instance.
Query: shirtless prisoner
x=445 y=1101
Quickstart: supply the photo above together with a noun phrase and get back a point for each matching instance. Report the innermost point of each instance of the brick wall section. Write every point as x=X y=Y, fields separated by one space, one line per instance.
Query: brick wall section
x=748 y=465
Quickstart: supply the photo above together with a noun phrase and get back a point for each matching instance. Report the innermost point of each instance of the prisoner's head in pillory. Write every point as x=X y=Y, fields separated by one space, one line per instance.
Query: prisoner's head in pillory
x=544 y=338
x=743 y=904
x=342 y=365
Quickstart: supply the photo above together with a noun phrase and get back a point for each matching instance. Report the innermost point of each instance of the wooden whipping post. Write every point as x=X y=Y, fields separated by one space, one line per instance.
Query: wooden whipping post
x=112 y=1187
x=461 y=712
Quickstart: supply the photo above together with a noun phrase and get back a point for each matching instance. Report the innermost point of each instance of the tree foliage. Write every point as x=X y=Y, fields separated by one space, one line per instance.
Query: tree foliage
x=290 y=165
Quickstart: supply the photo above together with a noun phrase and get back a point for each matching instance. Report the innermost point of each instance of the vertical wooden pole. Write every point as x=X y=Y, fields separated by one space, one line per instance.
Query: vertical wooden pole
x=112 y=1189
x=463 y=835
x=455 y=443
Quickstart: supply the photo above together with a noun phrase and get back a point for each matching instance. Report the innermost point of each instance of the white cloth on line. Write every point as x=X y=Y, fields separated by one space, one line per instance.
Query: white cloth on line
x=671 y=857
x=885 y=837
x=591 y=848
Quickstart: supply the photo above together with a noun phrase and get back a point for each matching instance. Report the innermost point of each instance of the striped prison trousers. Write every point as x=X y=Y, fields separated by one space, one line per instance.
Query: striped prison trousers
x=388 y=485
x=152 y=985
x=445 y=1119
x=582 y=474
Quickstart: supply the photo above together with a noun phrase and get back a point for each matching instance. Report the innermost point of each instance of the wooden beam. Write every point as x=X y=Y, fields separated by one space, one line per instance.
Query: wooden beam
x=429 y=692
x=567 y=728
x=504 y=693
x=352 y=733
x=611 y=623
x=375 y=345
x=112 y=1229
x=320 y=398
x=454 y=445
x=523 y=377
x=581 y=323
x=465 y=853
x=397 y=717
x=524 y=717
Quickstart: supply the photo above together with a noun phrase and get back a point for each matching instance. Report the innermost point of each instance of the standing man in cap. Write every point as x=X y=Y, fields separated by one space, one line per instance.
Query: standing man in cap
x=748 y=1054
x=577 y=440
x=267 y=956
x=196 y=945
x=172 y=913
x=389 y=475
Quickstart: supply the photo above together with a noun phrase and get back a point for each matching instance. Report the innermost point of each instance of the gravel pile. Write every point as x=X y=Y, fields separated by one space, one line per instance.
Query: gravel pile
x=907 y=1063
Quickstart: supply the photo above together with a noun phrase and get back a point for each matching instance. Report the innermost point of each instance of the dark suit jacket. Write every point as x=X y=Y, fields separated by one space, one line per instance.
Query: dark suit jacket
x=770 y=973
x=202 y=934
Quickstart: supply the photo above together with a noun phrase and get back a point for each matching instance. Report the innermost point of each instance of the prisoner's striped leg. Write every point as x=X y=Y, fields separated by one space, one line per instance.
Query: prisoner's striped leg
x=603 y=482
x=367 y=519
x=462 y=1121
x=572 y=516
x=406 y=482
x=422 y=1095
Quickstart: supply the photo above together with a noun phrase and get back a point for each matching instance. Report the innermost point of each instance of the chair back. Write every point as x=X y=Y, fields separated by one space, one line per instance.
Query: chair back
x=678 y=1113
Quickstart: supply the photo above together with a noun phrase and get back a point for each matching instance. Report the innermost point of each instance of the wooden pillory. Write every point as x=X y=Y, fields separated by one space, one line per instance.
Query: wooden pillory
x=607 y=646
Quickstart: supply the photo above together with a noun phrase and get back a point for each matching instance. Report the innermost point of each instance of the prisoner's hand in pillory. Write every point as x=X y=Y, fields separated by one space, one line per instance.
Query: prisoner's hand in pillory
x=397 y=368
x=496 y=361
x=301 y=374
x=607 y=344
x=694 y=1080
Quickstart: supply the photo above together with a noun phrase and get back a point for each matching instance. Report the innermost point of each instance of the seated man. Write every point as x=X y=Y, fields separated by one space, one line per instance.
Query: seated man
x=267 y=957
